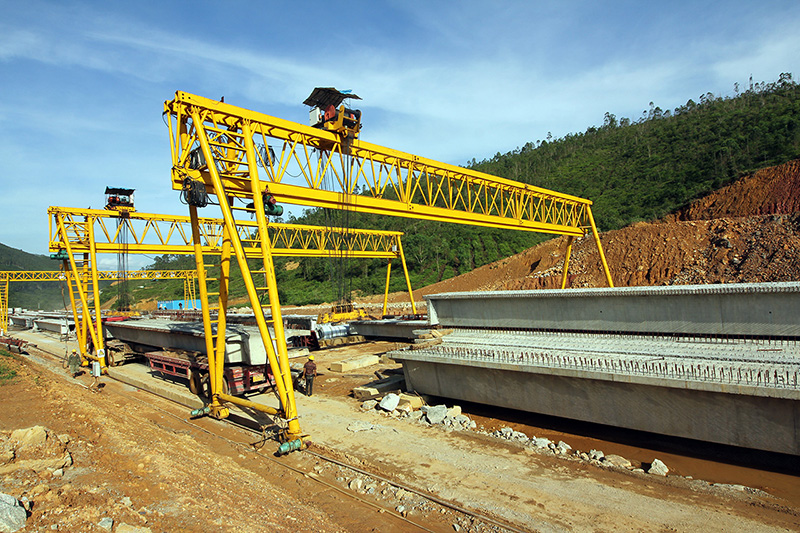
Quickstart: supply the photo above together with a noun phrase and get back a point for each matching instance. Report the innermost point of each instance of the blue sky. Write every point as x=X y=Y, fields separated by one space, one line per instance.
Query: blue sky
x=82 y=83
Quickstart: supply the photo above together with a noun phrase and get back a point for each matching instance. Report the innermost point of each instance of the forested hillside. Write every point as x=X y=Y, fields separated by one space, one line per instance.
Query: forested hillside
x=634 y=169
x=642 y=169
x=39 y=295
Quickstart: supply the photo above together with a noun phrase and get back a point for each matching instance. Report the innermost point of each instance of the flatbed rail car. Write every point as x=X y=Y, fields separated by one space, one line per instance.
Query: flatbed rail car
x=238 y=379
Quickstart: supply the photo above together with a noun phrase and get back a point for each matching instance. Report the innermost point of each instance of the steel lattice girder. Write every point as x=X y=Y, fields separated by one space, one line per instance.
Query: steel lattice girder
x=357 y=175
x=102 y=275
x=168 y=234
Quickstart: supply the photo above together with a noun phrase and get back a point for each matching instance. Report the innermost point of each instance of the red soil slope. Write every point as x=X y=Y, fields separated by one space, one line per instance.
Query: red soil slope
x=748 y=231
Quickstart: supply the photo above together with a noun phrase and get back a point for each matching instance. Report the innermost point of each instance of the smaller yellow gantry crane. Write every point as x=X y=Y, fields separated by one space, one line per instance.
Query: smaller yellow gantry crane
x=78 y=235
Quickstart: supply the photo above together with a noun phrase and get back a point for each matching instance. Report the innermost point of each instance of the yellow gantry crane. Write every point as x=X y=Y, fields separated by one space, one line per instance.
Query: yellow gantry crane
x=78 y=235
x=244 y=157
x=78 y=283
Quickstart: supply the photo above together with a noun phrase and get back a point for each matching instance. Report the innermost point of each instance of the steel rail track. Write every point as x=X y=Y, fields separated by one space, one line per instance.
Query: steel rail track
x=311 y=475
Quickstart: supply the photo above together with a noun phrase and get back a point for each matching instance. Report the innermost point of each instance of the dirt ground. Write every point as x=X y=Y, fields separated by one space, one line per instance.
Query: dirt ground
x=137 y=459
x=124 y=455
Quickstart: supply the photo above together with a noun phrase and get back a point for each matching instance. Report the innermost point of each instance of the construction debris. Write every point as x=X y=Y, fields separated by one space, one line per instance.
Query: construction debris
x=378 y=388
x=352 y=364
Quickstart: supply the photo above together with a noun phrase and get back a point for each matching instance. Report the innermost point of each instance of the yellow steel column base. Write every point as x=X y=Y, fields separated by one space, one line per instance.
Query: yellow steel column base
x=220 y=412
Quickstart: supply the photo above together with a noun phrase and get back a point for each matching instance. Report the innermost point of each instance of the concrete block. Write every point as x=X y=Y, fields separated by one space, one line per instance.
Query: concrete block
x=378 y=388
x=352 y=364
x=414 y=401
x=365 y=393
x=454 y=411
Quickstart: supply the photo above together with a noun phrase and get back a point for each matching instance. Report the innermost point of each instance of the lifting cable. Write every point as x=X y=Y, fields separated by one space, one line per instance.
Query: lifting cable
x=337 y=265
x=123 y=297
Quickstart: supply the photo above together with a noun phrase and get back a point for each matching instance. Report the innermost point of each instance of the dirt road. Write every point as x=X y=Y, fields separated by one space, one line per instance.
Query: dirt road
x=137 y=460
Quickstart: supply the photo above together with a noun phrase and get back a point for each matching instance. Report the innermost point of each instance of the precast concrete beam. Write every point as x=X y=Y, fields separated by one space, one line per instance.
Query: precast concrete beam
x=388 y=328
x=752 y=309
x=758 y=422
x=243 y=344
x=62 y=327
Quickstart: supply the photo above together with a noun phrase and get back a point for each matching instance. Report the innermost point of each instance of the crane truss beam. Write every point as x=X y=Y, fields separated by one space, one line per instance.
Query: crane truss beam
x=354 y=174
x=167 y=234
x=102 y=275
x=223 y=150
x=6 y=276
x=86 y=232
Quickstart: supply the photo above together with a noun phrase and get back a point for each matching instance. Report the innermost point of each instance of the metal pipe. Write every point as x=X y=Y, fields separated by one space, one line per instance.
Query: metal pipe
x=408 y=280
x=386 y=292
x=247 y=403
x=204 y=308
x=281 y=369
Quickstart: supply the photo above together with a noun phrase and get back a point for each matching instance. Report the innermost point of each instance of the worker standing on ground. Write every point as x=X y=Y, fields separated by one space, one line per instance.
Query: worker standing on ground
x=74 y=362
x=310 y=372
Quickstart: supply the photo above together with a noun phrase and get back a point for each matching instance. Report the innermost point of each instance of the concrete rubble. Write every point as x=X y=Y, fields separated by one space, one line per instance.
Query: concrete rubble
x=435 y=414
x=412 y=407
x=658 y=468
x=449 y=418
x=389 y=402
x=12 y=515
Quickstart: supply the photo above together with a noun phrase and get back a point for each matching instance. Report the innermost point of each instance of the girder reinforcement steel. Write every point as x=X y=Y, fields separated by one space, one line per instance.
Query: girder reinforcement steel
x=753 y=309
